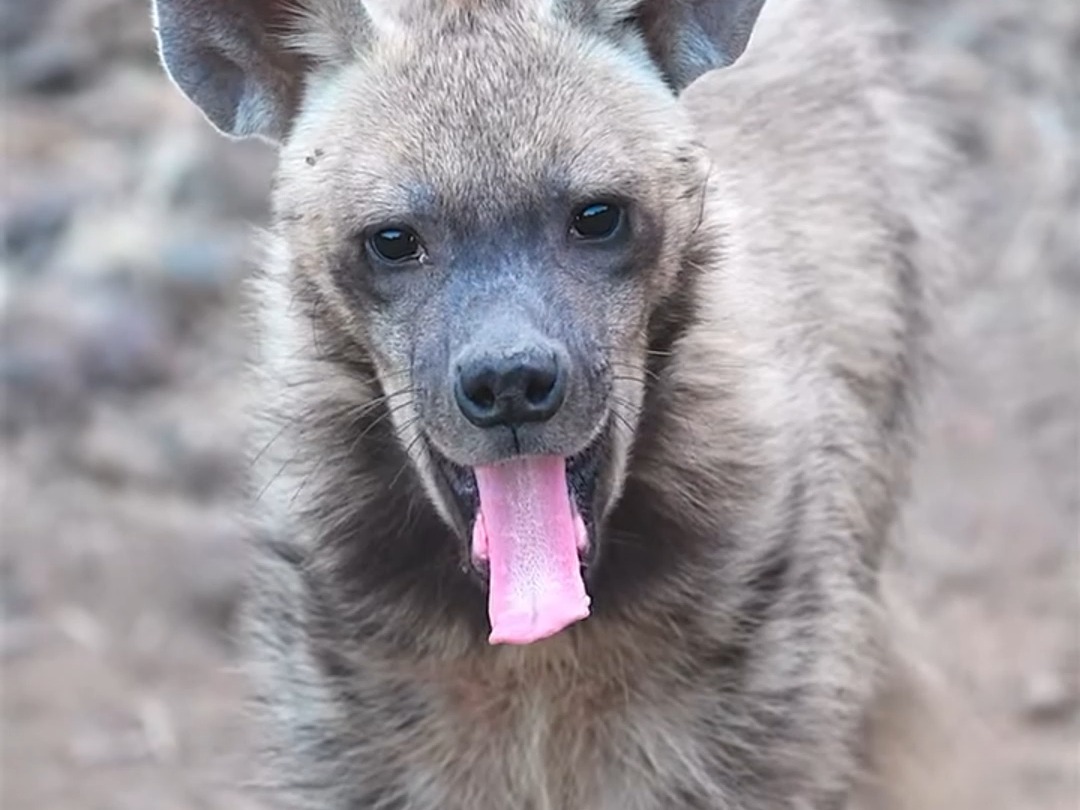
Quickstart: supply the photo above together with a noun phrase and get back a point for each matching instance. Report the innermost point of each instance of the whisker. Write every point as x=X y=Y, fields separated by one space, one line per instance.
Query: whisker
x=648 y=351
x=628 y=367
x=382 y=418
x=323 y=458
x=275 y=477
x=364 y=408
x=622 y=422
x=394 y=375
x=277 y=435
x=315 y=471
x=371 y=404
x=626 y=403
x=408 y=459
x=322 y=361
x=625 y=422
x=355 y=417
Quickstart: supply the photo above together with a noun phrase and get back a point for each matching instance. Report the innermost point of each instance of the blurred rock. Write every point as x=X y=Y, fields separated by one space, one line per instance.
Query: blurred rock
x=100 y=743
x=200 y=268
x=61 y=343
x=137 y=454
x=20 y=637
x=20 y=20
x=124 y=342
x=49 y=67
x=205 y=466
x=198 y=264
x=31 y=227
x=38 y=383
x=119 y=453
x=1049 y=697
x=68 y=52
x=198 y=170
x=15 y=600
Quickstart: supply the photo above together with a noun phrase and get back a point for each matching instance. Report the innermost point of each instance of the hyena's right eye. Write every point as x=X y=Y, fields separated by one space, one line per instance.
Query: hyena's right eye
x=396 y=245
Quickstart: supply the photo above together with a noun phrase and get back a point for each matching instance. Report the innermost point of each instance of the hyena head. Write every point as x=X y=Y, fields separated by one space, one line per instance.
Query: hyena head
x=494 y=201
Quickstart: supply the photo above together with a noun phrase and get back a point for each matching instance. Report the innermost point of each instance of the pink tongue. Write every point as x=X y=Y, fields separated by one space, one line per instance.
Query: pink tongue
x=529 y=532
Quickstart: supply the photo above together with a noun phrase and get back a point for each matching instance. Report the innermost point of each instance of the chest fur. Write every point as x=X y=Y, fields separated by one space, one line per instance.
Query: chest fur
x=554 y=741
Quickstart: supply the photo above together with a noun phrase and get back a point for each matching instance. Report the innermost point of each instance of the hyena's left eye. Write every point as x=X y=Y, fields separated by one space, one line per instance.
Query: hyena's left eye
x=396 y=245
x=597 y=220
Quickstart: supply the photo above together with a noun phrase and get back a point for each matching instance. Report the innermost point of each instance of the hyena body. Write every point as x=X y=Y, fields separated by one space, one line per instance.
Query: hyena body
x=744 y=346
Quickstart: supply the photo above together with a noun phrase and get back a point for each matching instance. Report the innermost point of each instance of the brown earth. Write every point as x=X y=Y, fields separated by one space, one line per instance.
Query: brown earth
x=124 y=227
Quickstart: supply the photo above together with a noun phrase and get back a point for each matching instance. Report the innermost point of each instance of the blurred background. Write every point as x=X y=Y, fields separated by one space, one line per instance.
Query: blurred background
x=125 y=224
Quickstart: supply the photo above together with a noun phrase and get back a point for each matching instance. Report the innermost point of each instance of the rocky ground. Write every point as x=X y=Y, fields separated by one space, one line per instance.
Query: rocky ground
x=124 y=223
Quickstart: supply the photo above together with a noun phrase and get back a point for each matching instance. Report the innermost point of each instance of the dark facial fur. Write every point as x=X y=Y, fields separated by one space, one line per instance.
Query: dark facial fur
x=741 y=365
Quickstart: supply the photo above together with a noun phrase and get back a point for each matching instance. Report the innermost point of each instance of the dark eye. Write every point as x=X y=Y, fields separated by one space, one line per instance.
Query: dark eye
x=598 y=220
x=395 y=245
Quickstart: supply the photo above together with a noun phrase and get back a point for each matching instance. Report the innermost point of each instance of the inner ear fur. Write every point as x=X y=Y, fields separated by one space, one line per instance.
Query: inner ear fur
x=685 y=38
x=244 y=62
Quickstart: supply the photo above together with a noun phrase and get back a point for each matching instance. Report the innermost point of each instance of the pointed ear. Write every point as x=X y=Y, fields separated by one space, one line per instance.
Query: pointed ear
x=690 y=37
x=685 y=38
x=243 y=62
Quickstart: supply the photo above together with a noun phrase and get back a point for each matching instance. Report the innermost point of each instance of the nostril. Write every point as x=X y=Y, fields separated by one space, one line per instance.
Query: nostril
x=481 y=396
x=540 y=385
x=543 y=391
x=475 y=393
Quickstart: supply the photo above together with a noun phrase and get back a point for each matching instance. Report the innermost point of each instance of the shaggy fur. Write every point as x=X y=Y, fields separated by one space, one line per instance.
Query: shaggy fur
x=739 y=654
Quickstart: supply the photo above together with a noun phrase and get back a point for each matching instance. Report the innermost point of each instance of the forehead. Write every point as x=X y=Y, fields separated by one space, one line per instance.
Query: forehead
x=504 y=107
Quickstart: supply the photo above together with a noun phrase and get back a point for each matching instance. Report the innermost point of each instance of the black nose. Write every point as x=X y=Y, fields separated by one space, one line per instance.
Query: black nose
x=510 y=390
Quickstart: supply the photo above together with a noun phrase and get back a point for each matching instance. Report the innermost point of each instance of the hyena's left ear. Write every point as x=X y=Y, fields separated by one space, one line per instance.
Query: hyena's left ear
x=243 y=62
x=685 y=38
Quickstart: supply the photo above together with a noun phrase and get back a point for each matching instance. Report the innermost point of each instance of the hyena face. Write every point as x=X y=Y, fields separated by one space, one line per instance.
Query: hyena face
x=492 y=200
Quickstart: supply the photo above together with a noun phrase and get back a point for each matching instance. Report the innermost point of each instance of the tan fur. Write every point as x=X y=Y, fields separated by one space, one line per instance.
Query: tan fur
x=755 y=667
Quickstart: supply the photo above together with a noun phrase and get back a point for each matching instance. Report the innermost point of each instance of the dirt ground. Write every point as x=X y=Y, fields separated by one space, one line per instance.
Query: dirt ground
x=124 y=224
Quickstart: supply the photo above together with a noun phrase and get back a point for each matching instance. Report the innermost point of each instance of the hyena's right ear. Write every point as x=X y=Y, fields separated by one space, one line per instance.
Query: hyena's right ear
x=235 y=58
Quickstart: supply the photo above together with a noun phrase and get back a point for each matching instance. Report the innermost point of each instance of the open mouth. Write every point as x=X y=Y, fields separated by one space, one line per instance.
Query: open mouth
x=531 y=524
